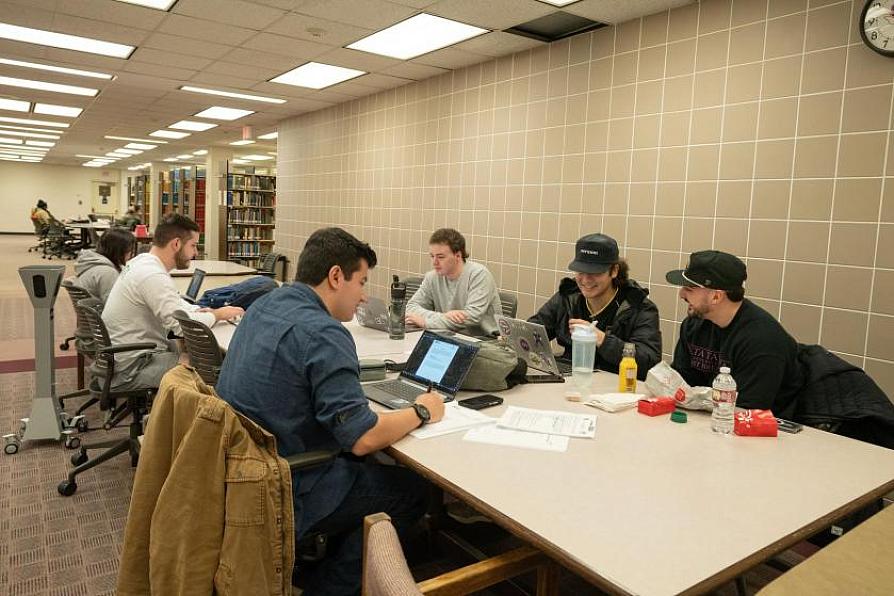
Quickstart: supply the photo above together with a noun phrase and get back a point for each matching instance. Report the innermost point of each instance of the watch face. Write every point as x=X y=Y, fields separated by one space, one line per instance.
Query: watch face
x=877 y=26
x=422 y=412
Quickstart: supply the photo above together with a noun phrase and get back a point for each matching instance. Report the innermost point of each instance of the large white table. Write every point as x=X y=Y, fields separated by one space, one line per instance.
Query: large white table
x=214 y=268
x=648 y=506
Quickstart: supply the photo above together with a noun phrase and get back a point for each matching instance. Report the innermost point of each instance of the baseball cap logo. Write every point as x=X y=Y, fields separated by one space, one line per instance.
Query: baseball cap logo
x=587 y=251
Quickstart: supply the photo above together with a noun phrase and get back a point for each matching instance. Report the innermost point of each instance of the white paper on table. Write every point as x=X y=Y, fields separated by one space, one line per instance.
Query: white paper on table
x=613 y=402
x=456 y=418
x=550 y=422
x=494 y=435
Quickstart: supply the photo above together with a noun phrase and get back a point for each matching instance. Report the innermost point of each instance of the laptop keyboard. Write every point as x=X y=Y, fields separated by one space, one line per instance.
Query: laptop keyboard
x=564 y=367
x=399 y=389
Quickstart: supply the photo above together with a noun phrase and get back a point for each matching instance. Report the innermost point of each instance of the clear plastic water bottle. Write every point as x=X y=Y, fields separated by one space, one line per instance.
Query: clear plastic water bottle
x=583 y=356
x=397 y=309
x=724 y=397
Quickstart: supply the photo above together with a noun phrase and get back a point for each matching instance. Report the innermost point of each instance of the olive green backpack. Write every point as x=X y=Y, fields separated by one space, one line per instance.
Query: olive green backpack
x=496 y=367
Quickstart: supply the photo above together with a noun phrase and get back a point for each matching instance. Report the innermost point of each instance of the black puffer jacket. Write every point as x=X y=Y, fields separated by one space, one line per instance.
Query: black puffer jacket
x=636 y=321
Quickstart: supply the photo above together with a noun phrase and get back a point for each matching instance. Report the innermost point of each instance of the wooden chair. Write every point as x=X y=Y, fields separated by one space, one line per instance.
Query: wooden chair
x=509 y=302
x=385 y=571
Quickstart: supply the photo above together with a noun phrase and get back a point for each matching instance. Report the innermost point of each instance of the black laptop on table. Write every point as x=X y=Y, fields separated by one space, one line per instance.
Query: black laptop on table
x=438 y=361
x=192 y=292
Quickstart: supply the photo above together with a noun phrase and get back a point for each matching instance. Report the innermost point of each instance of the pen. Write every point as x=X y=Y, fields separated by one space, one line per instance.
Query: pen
x=430 y=385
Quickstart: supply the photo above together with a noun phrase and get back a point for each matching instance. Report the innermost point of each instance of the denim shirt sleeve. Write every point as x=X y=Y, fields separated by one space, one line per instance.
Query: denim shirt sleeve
x=339 y=403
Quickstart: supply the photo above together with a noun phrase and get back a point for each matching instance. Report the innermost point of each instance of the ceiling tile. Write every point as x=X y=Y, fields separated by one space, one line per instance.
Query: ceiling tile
x=412 y=70
x=186 y=45
x=330 y=32
x=154 y=56
x=498 y=43
x=492 y=14
x=358 y=60
x=619 y=11
x=231 y=12
x=176 y=24
x=159 y=70
x=299 y=50
x=212 y=79
x=98 y=29
x=373 y=14
x=119 y=13
x=254 y=58
x=242 y=71
x=382 y=81
x=450 y=58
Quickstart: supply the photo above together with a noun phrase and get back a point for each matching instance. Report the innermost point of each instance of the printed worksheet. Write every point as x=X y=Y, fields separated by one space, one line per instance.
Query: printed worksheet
x=550 y=422
x=494 y=435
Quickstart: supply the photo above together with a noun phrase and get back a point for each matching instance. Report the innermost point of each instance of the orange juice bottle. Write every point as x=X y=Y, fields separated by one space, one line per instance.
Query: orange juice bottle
x=627 y=370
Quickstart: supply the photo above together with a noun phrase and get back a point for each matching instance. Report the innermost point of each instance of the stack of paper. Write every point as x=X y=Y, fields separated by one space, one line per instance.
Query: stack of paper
x=551 y=422
x=495 y=435
x=614 y=402
x=455 y=418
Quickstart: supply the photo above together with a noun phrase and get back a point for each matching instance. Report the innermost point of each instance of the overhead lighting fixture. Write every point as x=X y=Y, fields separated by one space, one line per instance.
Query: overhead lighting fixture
x=14 y=105
x=117 y=155
x=241 y=162
x=33 y=135
x=45 y=86
x=560 y=2
x=416 y=36
x=65 y=41
x=269 y=135
x=142 y=146
x=89 y=156
x=315 y=75
x=128 y=151
x=243 y=142
x=34 y=122
x=170 y=159
x=155 y=141
x=156 y=4
x=10 y=141
x=221 y=113
x=271 y=153
x=185 y=156
x=54 y=110
x=257 y=157
x=41 y=143
x=169 y=134
x=192 y=125
x=200 y=152
x=59 y=69
x=220 y=93
x=29 y=129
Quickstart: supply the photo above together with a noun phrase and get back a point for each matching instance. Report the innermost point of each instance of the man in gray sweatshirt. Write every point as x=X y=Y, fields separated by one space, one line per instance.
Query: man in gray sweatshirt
x=457 y=295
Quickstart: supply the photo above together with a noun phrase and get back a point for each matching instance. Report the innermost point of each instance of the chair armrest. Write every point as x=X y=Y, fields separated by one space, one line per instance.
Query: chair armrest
x=118 y=348
x=309 y=459
x=266 y=273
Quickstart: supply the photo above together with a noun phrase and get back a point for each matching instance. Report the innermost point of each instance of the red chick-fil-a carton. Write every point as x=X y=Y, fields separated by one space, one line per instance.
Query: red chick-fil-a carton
x=656 y=406
x=755 y=423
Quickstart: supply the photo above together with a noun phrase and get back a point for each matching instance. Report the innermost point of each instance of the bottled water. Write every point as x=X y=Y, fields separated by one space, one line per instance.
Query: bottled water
x=724 y=397
x=583 y=356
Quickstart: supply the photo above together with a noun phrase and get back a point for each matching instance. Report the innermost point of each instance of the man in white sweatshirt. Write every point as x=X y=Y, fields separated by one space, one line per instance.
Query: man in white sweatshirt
x=141 y=305
x=457 y=295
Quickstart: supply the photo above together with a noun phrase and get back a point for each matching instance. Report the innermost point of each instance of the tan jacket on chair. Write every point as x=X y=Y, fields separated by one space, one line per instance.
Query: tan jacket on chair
x=211 y=510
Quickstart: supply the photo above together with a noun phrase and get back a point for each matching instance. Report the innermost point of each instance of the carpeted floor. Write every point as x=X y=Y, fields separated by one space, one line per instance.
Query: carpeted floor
x=69 y=546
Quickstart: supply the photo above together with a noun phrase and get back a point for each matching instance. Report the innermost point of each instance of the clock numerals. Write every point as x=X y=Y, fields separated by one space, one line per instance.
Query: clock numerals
x=877 y=26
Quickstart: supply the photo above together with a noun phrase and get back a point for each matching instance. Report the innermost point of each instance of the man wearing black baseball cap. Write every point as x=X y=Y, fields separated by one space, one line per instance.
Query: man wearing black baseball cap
x=601 y=293
x=723 y=328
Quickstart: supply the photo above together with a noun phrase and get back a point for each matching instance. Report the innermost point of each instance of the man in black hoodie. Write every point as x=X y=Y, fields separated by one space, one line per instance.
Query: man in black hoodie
x=601 y=293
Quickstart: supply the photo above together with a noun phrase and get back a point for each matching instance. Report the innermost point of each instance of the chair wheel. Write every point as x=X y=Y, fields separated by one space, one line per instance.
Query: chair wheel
x=11 y=448
x=79 y=458
x=67 y=488
x=72 y=442
x=83 y=425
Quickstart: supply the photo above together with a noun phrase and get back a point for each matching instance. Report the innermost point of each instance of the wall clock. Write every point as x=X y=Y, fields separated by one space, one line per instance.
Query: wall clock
x=877 y=26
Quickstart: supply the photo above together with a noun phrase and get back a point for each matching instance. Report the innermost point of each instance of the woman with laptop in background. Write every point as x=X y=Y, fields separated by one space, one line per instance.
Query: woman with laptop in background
x=98 y=270
x=602 y=294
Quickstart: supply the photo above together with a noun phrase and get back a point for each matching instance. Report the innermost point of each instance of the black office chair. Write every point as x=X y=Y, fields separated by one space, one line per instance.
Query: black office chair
x=85 y=347
x=134 y=402
x=205 y=355
x=413 y=283
x=509 y=302
x=40 y=231
x=269 y=262
x=59 y=242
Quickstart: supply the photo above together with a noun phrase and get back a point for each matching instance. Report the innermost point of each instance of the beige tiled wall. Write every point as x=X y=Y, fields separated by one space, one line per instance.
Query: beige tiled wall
x=752 y=126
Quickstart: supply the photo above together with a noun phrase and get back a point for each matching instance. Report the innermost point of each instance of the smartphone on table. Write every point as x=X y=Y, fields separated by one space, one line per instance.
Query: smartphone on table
x=787 y=426
x=479 y=402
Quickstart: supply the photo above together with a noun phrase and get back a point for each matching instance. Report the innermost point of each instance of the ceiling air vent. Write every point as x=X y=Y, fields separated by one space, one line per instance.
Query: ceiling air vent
x=555 y=26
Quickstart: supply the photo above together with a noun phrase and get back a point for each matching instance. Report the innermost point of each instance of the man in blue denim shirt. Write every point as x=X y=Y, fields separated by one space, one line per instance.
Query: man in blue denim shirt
x=292 y=367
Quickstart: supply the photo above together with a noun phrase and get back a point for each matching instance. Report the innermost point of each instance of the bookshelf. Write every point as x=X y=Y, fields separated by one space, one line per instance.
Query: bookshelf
x=251 y=216
x=139 y=193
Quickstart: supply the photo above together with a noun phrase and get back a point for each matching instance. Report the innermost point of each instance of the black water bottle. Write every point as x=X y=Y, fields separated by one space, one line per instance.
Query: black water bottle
x=397 y=310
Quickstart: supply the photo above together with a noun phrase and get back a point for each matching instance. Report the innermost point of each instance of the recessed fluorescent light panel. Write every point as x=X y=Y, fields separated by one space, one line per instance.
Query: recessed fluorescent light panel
x=200 y=152
x=156 y=4
x=29 y=129
x=14 y=105
x=60 y=69
x=10 y=141
x=142 y=146
x=185 y=156
x=34 y=122
x=40 y=143
x=315 y=75
x=220 y=93
x=269 y=135
x=170 y=159
x=128 y=151
x=34 y=135
x=243 y=142
x=560 y=2
x=169 y=134
x=65 y=41
x=54 y=110
x=155 y=141
x=44 y=86
x=221 y=113
x=257 y=157
x=416 y=36
x=191 y=125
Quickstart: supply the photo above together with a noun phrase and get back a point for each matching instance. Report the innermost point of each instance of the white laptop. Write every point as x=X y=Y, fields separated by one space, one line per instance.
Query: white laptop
x=531 y=342
x=437 y=361
x=374 y=314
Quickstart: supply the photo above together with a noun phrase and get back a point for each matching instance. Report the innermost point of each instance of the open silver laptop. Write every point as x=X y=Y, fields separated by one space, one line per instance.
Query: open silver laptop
x=374 y=314
x=531 y=342
x=437 y=361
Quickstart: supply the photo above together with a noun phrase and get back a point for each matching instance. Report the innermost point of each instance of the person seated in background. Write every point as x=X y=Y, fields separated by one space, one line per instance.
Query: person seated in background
x=723 y=328
x=457 y=294
x=292 y=367
x=132 y=218
x=141 y=305
x=602 y=294
x=98 y=270
x=40 y=215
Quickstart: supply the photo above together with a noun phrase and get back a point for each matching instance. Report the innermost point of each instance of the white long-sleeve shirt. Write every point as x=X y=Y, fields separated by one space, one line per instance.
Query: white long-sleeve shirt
x=141 y=306
x=474 y=291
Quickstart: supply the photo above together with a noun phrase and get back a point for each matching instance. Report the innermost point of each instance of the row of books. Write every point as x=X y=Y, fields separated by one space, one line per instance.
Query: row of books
x=250 y=199
x=249 y=232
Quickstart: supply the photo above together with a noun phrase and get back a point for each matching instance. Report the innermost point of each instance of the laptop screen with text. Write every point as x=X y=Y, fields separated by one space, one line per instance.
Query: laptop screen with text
x=441 y=361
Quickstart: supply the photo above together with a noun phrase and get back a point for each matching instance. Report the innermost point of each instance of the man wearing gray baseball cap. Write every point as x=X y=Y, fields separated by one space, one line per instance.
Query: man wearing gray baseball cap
x=602 y=293
x=723 y=328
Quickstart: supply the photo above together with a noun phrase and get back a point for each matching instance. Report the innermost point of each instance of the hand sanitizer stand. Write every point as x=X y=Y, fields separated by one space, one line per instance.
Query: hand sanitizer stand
x=42 y=283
